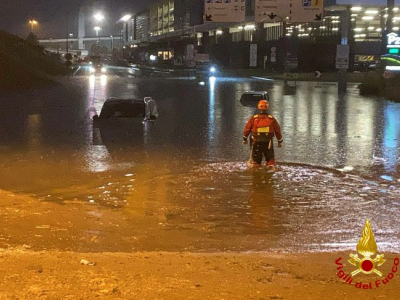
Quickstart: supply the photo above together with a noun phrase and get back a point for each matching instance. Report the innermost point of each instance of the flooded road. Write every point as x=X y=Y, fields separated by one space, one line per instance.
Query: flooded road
x=182 y=183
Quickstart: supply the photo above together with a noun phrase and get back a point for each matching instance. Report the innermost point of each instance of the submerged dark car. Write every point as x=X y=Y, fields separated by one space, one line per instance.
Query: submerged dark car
x=128 y=108
x=120 y=122
x=251 y=98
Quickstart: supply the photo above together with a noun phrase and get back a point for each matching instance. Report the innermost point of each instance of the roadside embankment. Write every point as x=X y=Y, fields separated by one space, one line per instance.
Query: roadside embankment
x=25 y=65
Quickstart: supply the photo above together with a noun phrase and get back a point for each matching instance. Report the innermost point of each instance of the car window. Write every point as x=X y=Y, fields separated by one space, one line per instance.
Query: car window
x=124 y=109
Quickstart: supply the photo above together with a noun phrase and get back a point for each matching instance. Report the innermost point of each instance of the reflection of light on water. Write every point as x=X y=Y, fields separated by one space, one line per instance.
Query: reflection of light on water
x=316 y=116
x=92 y=81
x=361 y=123
x=301 y=110
x=211 y=109
x=97 y=159
x=103 y=80
x=34 y=122
x=391 y=136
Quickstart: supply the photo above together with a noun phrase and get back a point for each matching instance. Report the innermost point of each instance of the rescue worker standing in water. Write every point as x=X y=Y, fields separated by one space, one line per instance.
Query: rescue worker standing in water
x=263 y=127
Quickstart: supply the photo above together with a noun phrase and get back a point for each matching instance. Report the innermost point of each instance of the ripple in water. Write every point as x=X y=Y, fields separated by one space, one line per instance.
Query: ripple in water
x=298 y=208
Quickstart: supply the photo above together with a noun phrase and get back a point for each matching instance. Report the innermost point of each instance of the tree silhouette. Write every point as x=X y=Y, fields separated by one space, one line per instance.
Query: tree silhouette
x=32 y=38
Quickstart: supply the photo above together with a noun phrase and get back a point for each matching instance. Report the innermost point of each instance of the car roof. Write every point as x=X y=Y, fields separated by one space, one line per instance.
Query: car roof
x=255 y=92
x=123 y=100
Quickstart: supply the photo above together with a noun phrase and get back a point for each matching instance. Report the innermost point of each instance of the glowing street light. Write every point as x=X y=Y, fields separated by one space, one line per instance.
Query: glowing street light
x=97 y=29
x=125 y=18
x=99 y=17
x=33 y=23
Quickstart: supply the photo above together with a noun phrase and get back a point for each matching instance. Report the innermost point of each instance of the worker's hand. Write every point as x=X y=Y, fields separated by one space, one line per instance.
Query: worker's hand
x=244 y=141
x=280 y=145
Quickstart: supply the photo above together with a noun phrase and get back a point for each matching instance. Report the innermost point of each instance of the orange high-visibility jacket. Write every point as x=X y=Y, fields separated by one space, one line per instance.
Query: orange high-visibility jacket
x=263 y=124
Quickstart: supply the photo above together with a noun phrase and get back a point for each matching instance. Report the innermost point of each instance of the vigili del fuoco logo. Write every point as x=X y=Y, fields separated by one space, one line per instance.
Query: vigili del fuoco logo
x=367 y=263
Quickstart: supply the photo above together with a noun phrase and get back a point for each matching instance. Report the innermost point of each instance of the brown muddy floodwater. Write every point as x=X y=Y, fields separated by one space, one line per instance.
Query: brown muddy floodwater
x=182 y=184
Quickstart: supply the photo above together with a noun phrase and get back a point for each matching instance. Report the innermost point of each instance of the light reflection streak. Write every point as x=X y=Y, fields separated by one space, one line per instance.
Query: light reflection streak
x=391 y=136
x=315 y=115
x=301 y=110
x=103 y=80
x=360 y=131
x=92 y=81
x=97 y=159
x=211 y=110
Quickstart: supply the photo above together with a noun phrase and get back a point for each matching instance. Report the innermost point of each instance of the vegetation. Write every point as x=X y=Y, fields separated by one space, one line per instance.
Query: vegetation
x=26 y=65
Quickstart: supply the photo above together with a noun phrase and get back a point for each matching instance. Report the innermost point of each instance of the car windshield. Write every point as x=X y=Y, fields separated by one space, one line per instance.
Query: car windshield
x=252 y=97
x=123 y=109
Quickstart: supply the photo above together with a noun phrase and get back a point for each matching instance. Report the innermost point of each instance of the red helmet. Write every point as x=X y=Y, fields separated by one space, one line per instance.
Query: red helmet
x=263 y=105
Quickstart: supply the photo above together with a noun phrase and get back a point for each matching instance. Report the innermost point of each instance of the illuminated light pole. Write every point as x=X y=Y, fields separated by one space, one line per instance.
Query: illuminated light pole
x=99 y=17
x=97 y=29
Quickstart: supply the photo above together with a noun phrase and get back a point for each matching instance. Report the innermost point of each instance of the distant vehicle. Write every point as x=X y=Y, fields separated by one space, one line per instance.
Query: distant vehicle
x=251 y=98
x=206 y=70
x=128 y=108
x=96 y=65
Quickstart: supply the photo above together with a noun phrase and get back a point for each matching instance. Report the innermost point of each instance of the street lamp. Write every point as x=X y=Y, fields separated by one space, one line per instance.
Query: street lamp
x=97 y=29
x=33 y=23
x=125 y=18
x=99 y=17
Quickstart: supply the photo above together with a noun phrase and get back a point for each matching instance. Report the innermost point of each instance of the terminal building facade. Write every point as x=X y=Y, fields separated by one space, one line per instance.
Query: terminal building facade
x=165 y=28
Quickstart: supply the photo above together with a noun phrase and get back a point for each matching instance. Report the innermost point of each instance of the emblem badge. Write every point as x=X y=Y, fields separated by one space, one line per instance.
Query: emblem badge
x=367 y=247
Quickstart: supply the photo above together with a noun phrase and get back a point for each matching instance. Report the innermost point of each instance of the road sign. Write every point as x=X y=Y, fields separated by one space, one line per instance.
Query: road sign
x=224 y=10
x=271 y=10
x=318 y=74
x=342 y=56
x=306 y=11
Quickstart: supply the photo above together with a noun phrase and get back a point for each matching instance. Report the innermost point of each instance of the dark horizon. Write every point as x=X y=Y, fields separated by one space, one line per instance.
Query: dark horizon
x=52 y=15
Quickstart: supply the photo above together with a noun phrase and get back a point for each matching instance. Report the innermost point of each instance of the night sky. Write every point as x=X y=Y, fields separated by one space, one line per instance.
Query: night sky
x=15 y=14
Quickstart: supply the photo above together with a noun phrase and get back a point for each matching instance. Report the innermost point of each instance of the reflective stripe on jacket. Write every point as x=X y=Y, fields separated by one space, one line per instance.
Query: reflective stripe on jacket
x=263 y=124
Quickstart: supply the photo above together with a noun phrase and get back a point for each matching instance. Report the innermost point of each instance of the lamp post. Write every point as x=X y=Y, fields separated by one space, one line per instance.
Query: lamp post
x=99 y=17
x=67 y=33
